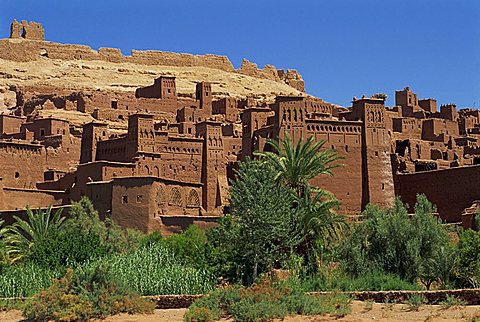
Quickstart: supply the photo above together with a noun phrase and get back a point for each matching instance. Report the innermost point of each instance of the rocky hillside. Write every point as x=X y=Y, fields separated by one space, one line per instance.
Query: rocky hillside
x=33 y=63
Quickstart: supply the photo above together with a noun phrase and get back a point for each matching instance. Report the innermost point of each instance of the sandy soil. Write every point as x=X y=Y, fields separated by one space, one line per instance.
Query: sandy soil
x=361 y=311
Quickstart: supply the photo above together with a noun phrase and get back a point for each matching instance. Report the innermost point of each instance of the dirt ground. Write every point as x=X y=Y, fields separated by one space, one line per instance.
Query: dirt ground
x=361 y=311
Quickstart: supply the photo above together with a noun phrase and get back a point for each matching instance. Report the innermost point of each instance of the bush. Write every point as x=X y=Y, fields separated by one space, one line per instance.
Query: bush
x=83 y=238
x=189 y=246
x=390 y=241
x=263 y=302
x=83 y=295
x=373 y=281
x=339 y=280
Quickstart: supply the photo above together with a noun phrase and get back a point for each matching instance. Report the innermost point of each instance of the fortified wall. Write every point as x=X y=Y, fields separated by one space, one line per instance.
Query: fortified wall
x=15 y=49
x=156 y=160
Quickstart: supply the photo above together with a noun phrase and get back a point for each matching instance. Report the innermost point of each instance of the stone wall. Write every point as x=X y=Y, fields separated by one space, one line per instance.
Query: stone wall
x=468 y=296
x=15 y=49
x=451 y=190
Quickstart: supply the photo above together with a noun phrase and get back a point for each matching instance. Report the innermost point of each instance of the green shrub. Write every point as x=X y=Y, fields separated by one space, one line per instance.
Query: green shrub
x=391 y=241
x=70 y=246
x=152 y=238
x=83 y=238
x=200 y=314
x=415 y=301
x=452 y=301
x=264 y=302
x=339 y=280
x=189 y=246
x=372 y=281
x=82 y=295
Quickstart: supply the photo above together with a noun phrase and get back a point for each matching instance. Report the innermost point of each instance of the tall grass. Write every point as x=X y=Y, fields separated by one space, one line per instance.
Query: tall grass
x=151 y=270
x=25 y=279
x=154 y=270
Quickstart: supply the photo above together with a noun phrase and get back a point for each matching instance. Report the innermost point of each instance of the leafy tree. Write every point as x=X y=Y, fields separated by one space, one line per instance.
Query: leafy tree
x=259 y=234
x=296 y=165
x=389 y=240
x=23 y=235
x=468 y=265
x=433 y=245
x=317 y=223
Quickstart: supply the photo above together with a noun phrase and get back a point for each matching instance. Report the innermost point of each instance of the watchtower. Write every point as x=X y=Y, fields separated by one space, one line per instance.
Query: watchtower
x=27 y=30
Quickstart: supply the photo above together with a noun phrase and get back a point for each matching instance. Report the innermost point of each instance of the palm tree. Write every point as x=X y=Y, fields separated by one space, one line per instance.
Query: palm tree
x=318 y=224
x=3 y=233
x=22 y=235
x=297 y=165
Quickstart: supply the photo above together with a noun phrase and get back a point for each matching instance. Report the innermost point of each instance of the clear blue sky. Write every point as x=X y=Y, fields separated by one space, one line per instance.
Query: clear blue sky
x=343 y=48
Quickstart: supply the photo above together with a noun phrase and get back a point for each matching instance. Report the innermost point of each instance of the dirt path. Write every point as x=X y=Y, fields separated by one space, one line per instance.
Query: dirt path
x=361 y=311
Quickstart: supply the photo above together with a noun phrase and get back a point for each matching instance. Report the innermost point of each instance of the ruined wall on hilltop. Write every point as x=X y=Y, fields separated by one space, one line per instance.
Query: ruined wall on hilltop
x=251 y=69
x=16 y=49
x=25 y=30
x=21 y=51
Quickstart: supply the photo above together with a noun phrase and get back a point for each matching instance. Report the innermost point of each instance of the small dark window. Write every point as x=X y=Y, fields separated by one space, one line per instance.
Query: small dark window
x=169 y=90
x=42 y=132
x=376 y=153
x=17 y=174
x=383 y=186
x=139 y=199
x=125 y=199
x=114 y=104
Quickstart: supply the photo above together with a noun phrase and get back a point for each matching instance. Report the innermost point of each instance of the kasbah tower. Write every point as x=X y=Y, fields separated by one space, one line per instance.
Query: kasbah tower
x=156 y=156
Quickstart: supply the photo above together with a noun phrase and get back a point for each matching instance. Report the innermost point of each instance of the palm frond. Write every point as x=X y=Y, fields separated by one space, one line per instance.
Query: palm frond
x=297 y=164
x=23 y=234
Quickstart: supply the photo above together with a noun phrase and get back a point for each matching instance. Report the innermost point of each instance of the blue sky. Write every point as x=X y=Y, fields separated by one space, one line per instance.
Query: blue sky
x=343 y=48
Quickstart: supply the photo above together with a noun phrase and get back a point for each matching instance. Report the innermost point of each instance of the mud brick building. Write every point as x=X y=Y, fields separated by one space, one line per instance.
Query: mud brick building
x=153 y=159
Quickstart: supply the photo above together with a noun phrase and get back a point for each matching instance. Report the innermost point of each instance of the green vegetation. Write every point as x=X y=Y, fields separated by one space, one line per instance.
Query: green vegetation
x=145 y=264
x=451 y=301
x=82 y=295
x=415 y=301
x=155 y=269
x=390 y=241
x=259 y=235
x=83 y=267
x=23 y=235
x=263 y=302
x=25 y=279
x=296 y=165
